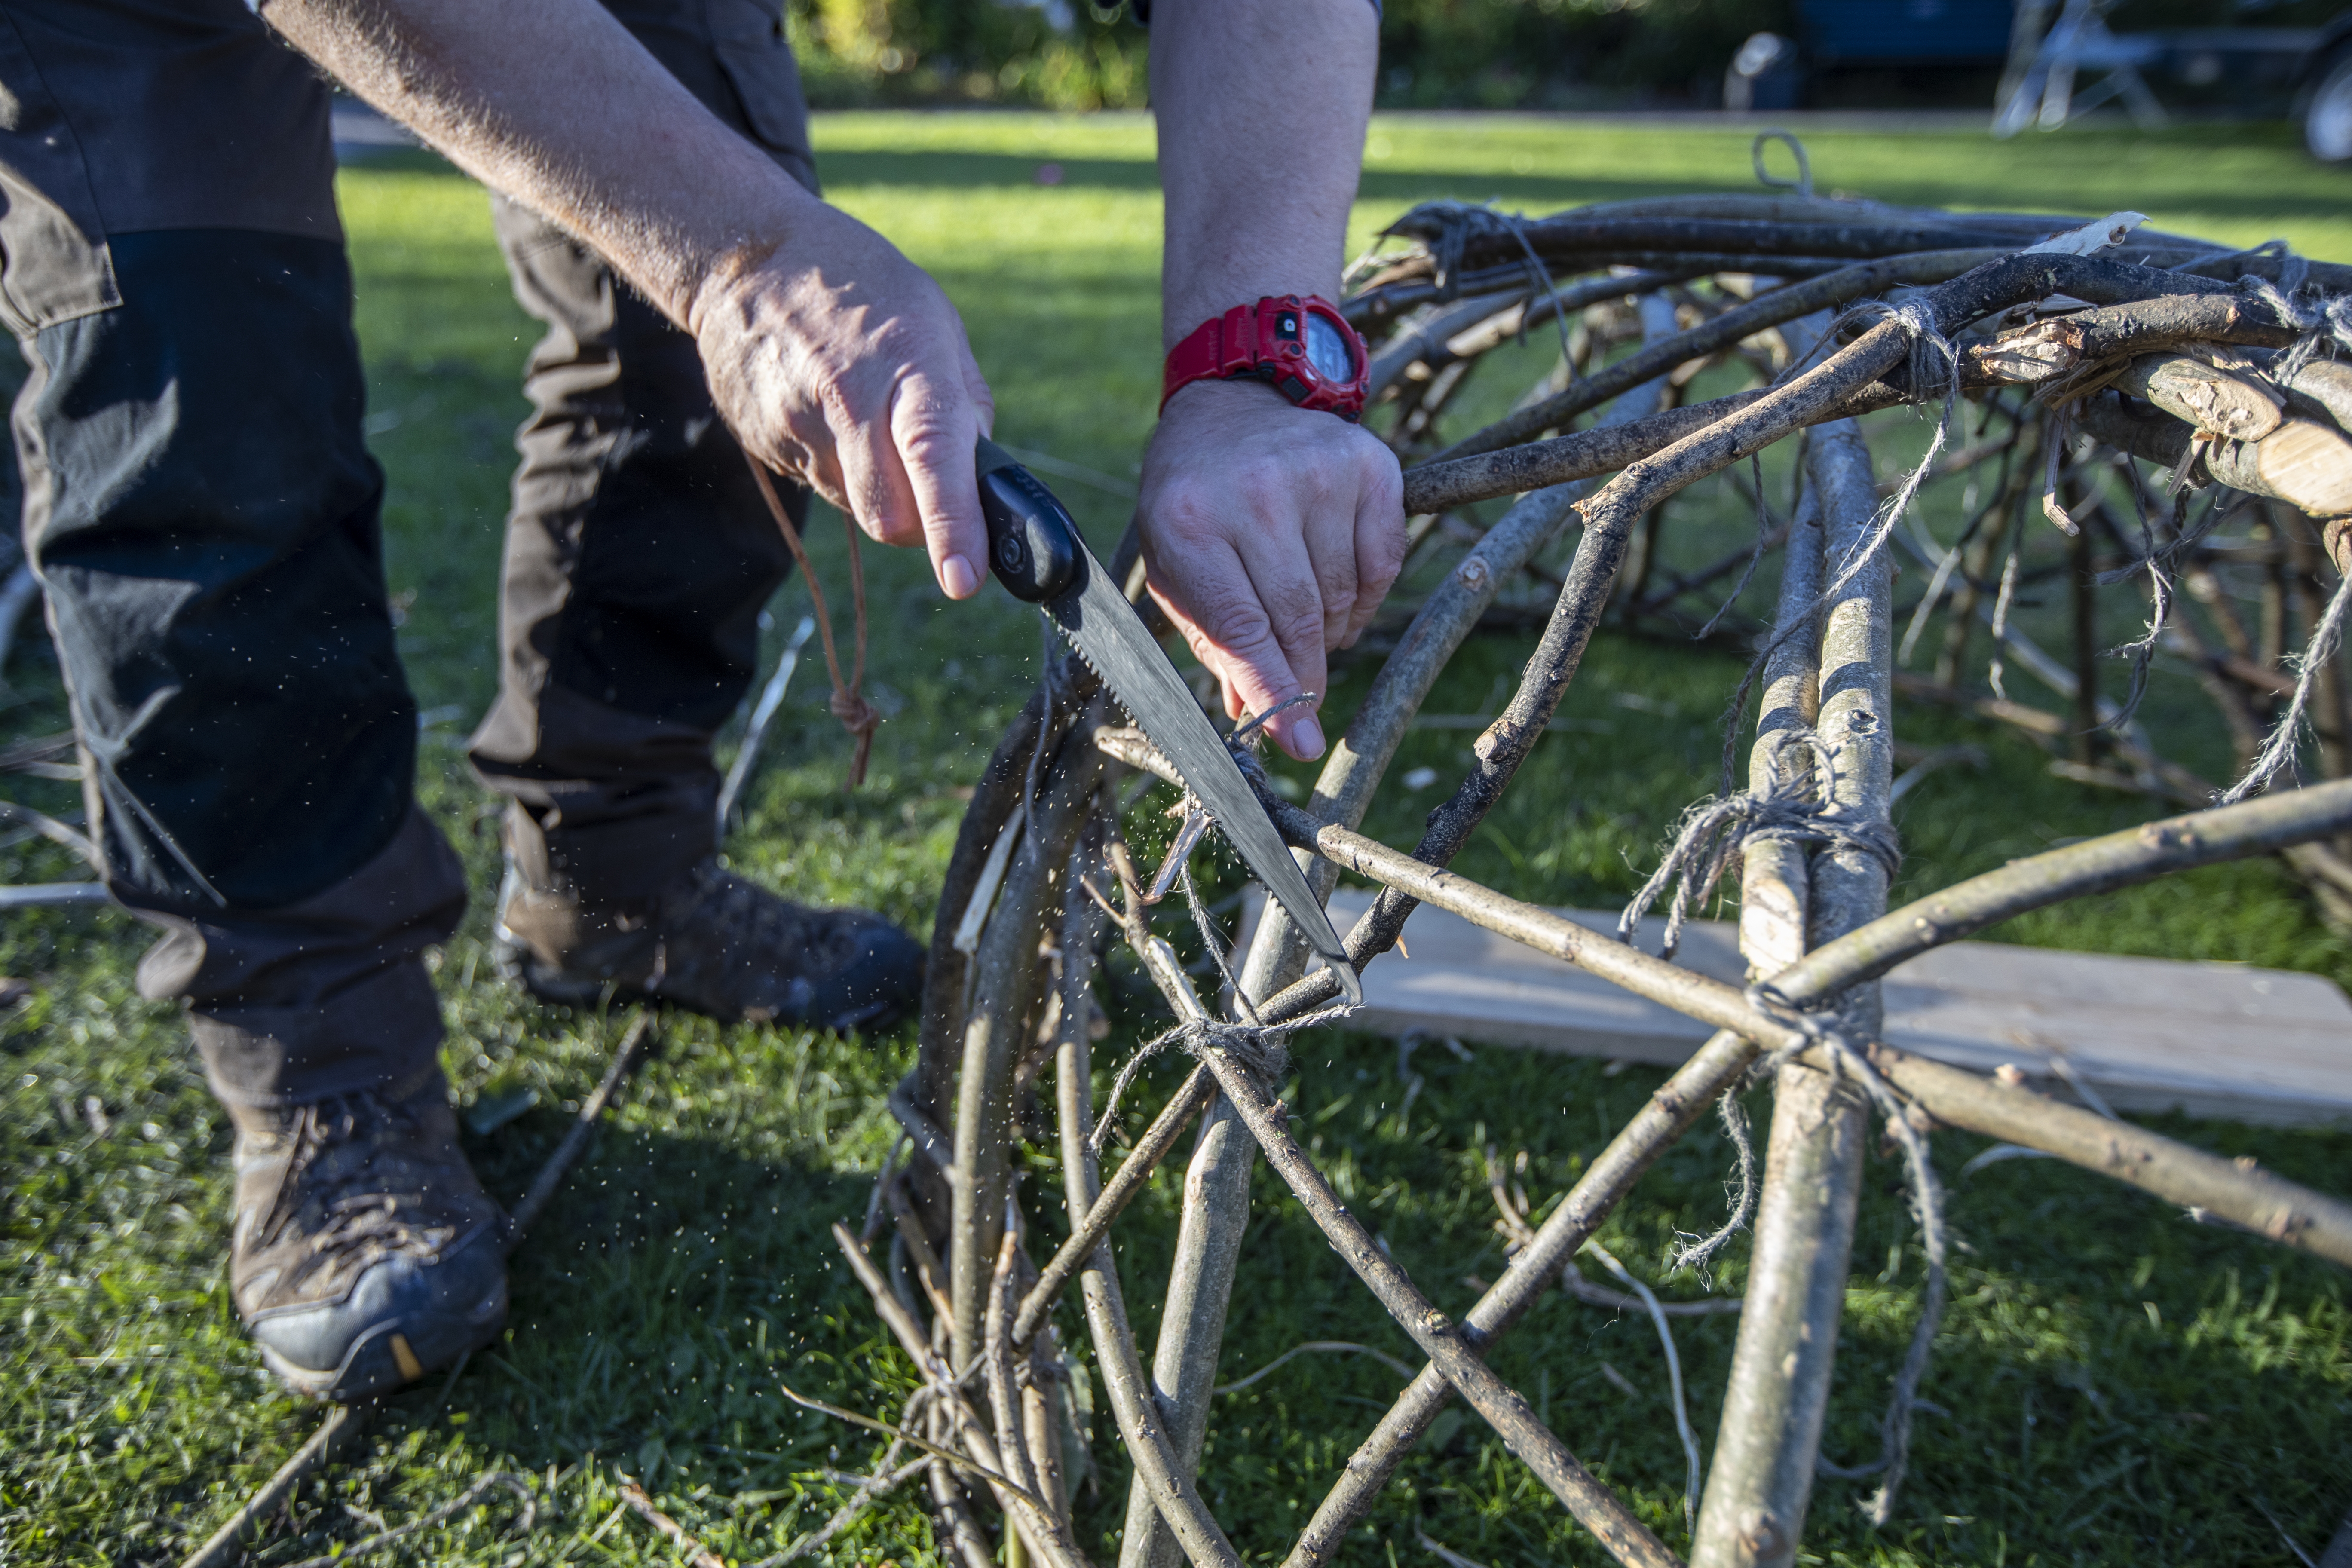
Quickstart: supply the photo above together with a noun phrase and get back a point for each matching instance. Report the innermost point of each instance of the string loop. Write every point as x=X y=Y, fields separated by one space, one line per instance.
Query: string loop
x=857 y=716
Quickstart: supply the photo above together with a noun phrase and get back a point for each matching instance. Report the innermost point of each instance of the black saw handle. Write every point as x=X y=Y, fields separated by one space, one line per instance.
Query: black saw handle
x=1032 y=543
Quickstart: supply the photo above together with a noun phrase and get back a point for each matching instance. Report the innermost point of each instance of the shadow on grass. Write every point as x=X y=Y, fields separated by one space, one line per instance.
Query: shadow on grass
x=2096 y=1356
x=659 y=1306
x=667 y=1287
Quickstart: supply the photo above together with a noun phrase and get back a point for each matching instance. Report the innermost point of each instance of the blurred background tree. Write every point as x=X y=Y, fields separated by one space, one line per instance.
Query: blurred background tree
x=1057 y=53
x=1563 y=54
x=1074 y=55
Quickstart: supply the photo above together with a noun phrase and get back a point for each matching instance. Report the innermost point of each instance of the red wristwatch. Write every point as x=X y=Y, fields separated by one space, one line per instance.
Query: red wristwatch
x=1304 y=346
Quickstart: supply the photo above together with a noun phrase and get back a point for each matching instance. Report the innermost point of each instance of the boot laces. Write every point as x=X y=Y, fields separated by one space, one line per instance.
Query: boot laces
x=364 y=1220
x=746 y=916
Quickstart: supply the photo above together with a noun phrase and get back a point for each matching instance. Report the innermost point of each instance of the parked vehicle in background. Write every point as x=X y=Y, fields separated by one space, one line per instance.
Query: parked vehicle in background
x=1839 y=33
x=2327 y=95
x=1841 y=38
x=1766 y=74
x=2059 y=59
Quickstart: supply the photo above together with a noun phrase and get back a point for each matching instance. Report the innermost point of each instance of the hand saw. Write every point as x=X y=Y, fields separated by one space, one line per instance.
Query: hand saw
x=1035 y=550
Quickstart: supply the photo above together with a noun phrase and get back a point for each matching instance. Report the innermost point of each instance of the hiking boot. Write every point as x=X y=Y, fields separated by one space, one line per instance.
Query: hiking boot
x=713 y=943
x=365 y=1253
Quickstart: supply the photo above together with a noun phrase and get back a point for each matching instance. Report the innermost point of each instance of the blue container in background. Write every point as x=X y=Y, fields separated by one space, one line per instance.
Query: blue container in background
x=1904 y=32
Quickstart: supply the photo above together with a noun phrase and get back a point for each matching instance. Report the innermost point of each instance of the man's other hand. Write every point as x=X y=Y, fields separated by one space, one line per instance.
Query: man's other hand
x=839 y=361
x=1272 y=534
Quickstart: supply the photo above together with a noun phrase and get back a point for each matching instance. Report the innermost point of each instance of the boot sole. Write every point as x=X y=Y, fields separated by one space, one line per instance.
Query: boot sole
x=384 y=1359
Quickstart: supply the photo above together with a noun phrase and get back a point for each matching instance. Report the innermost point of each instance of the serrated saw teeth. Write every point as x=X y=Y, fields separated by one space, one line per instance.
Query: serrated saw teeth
x=1108 y=684
x=1145 y=684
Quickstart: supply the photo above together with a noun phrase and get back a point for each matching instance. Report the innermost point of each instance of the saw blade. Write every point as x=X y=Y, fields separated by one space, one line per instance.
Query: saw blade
x=1115 y=642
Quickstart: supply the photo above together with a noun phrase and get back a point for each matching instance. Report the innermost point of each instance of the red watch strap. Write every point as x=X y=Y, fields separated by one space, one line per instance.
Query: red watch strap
x=1219 y=348
x=1267 y=339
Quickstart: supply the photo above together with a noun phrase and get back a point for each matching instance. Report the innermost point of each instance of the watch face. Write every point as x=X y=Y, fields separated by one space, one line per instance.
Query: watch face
x=1328 y=351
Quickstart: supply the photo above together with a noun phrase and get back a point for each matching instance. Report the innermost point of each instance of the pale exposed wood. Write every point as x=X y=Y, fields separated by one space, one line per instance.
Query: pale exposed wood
x=1775 y=888
x=2055 y=349
x=2209 y=398
x=2303 y=463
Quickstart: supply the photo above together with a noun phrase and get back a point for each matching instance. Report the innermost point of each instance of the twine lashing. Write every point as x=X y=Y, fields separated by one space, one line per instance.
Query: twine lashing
x=1927 y=1205
x=1447 y=228
x=848 y=704
x=1260 y=1049
x=1787 y=807
x=2325 y=322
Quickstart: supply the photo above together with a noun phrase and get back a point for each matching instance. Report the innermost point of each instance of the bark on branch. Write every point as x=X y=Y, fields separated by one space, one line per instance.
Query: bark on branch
x=2292 y=1215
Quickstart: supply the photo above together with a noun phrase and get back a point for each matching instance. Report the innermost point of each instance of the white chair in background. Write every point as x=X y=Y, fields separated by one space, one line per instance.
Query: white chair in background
x=2039 y=86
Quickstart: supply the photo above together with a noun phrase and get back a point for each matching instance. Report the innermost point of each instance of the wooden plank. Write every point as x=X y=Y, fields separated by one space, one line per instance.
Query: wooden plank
x=2213 y=1039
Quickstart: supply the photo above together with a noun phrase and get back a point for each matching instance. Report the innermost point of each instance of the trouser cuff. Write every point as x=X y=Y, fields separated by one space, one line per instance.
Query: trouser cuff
x=608 y=804
x=325 y=995
x=619 y=859
x=382 y=1034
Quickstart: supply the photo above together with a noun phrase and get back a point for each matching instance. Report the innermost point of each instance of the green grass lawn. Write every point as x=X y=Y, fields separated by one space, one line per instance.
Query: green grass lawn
x=2115 y=1385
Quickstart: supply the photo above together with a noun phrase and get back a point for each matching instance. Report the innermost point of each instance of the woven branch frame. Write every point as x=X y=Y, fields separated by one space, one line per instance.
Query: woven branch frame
x=2160 y=360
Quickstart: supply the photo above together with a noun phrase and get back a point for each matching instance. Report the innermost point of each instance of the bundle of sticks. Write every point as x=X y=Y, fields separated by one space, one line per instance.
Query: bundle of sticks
x=2172 y=411
x=2188 y=394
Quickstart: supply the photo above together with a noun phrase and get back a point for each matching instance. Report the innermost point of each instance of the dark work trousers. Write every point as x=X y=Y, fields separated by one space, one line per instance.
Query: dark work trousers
x=203 y=512
x=639 y=551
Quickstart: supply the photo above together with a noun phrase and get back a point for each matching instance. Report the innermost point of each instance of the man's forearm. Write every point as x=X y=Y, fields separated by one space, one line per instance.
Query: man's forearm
x=553 y=103
x=831 y=356
x=1262 y=107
